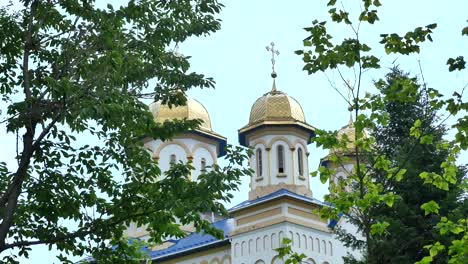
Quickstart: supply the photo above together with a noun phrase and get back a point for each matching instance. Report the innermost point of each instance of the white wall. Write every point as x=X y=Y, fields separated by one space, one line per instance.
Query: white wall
x=223 y=256
x=183 y=148
x=201 y=152
x=258 y=245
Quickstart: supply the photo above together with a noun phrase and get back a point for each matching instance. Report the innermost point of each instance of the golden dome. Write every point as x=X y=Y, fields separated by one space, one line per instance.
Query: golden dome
x=276 y=106
x=350 y=133
x=192 y=110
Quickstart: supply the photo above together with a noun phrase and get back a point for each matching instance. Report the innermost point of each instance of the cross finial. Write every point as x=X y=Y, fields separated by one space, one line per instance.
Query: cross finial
x=273 y=52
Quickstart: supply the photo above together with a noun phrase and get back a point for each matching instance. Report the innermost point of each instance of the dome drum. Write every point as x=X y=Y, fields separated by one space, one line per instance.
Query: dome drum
x=303 y=128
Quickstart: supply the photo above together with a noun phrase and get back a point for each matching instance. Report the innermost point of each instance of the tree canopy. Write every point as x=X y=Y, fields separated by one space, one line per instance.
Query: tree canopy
x=70 y=70
x=407 y=151
x=405 y=217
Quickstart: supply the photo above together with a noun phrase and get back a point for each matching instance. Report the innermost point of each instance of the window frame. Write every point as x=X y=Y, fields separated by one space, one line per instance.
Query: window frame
x=280 y=156
x=203 y=165
x=259 y=162
x=172 y=159
x=300 y=161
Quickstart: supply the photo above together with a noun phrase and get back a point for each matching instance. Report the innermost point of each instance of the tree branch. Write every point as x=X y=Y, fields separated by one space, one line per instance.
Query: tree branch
x=9 y=200
x=81 y=232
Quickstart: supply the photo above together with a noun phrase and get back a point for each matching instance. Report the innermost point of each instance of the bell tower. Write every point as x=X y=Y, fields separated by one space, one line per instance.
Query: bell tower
x=279 y=134
x=346 y=157
x=343 y=160
x=201 y=147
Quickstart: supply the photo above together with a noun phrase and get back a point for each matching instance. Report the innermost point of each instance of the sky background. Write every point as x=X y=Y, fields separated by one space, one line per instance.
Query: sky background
x=237 y=59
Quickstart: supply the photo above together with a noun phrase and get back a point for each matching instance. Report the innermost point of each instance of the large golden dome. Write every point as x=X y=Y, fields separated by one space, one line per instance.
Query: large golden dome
x=192 y=110
x=275 y=109
x=276 y=106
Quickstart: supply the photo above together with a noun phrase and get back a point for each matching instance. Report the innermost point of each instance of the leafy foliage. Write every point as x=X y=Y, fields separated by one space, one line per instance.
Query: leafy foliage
x=406 y=166
x=412 y=139
x=286 y=250
x=73 y=76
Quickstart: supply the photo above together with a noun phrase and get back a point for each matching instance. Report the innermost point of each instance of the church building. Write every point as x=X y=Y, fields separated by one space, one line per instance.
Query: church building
x=280 y=202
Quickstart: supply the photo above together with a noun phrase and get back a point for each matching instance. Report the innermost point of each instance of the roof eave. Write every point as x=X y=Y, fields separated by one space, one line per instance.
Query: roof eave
x=222 y=141
x=177 y=254
x=310 y=130
x=230 y=211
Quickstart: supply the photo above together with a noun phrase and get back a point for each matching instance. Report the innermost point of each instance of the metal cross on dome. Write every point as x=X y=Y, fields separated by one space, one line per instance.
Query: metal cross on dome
x=273 y=52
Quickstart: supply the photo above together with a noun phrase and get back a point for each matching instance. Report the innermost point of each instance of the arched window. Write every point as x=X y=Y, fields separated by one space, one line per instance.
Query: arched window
x=300 y=161
x=277 y=260
x=173 y=159
x=203 y=165
x=259 y=163
x=280 y=152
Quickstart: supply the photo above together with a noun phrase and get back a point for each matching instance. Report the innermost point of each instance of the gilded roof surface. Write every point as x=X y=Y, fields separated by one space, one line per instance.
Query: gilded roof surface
x=192 y=110
x=350 y=133
x=276 y=105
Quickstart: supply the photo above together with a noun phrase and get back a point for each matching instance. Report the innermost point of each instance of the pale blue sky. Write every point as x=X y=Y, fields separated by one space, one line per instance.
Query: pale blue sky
x=237 y=59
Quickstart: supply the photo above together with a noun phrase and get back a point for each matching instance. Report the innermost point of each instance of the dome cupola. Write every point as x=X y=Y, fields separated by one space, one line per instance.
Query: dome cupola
x=275 y=108
x=348 y=131
x=192 y=110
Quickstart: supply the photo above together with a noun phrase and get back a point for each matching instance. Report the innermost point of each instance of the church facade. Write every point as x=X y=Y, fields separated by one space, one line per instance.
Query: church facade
x=280 y=203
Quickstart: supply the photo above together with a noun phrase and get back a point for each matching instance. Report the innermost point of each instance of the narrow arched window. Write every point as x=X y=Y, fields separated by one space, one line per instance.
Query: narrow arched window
x=259 y=163
x=300 y=161
x=203 y=165
x=280 y=152
x=173 y=159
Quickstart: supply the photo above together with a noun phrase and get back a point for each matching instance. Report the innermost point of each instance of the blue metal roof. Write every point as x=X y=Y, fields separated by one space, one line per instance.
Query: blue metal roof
x=195 y=240
x=334 y=222
x=274 y=195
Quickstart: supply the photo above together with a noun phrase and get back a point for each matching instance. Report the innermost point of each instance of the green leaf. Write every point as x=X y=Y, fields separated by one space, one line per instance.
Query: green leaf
x=389 y=199
x=465 y=31
x=458 y=63
x=430 y=207
x=426 y=139
x=400 y=174
x=379 y=228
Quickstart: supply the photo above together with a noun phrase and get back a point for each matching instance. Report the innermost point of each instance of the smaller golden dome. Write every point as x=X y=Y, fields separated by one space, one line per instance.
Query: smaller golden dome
x=276 y=106
x=350 y=131
x=191 y=110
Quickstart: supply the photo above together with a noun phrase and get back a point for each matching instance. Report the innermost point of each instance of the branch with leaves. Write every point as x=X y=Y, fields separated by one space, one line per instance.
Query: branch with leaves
x=72 y=76
x=385 y=144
